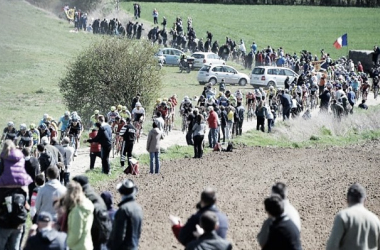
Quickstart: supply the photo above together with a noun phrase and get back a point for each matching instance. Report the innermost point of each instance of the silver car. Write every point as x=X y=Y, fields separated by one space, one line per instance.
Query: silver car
x=215 y=73
x=202 y=58
x=266 y=76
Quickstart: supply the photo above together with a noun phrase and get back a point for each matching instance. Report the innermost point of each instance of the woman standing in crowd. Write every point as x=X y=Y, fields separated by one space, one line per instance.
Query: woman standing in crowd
x=80 y=218
x=199 y=130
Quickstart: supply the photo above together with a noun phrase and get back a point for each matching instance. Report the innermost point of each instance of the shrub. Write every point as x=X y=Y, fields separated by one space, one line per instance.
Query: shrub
x=111 y=72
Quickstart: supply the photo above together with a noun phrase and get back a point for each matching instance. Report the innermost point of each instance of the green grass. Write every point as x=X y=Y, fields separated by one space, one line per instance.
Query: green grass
x=35 y=48
x=292 y=27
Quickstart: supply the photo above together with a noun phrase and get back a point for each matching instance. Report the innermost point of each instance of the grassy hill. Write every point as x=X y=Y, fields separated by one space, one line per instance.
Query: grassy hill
x=292 y=27
x=35 y=46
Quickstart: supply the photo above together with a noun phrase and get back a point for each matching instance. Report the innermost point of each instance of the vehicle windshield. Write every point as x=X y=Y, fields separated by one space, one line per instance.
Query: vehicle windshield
x=205 y=68
x=258 y=71
x=198 y=56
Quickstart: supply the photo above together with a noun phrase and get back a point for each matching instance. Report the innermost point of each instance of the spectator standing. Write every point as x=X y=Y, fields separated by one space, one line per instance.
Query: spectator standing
x=39 y=183
x=280 y=190
x=199 y=130
x=270 y=118
x=127 y=225
x=239 y=122
x=155 y=16
x=184 y=233
x=286 y=102
x=230 y=121
x=325 y=100
x=14 y=183
x=223 y=121
x=104 y=138
x=95 y=148
x=32 y=167
x=52 y=190
x=68 y=156
x=153 y=147
x=355 y=227
x=351 y=99
x=128 y=133
x=209 y=239
x=101 y=227
x=191 y=119
x=261 y=113
x=46 y=237
x=283 y=233
x=213 y=125
x=80 y=218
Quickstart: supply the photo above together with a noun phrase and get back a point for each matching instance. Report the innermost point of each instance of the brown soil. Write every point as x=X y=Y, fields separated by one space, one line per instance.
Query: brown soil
x=317 y=178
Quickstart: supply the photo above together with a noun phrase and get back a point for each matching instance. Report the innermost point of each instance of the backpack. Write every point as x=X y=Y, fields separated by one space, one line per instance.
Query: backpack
x=46 y=160
x=102 y=224
x=18 y=214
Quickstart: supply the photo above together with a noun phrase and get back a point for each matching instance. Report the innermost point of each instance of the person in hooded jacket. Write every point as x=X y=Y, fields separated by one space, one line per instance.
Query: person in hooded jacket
x=47 y=238
x=108 y=200
x=14 y=182
x=80 y=218
x=100 y=213
x=153 y=147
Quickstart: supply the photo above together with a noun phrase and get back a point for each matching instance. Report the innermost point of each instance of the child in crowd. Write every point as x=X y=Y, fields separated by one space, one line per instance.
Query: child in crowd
x=40 y=182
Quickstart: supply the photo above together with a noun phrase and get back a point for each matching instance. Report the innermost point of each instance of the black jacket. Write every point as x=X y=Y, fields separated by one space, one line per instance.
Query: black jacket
x=325 y=98
x=104 y=136
x=127 y=224
x=99 y=209
x=284 y=235
x=186 y=233
x=209 y=241
x=47 y=240
x=286 y=100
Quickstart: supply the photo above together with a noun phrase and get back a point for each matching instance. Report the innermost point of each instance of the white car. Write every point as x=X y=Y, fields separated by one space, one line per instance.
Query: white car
x=202 y=58
x=215 y=73
x=266 y=76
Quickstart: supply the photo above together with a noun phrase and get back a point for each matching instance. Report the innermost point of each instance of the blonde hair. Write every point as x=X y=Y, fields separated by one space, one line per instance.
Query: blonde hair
x=7 y=148
x=74 y=195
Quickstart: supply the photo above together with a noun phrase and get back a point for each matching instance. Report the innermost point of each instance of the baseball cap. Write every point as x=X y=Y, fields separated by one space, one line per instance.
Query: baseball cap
x=44 y=217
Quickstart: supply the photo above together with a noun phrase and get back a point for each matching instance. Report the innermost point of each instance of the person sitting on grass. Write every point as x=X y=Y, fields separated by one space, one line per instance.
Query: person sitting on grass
x=363 y=105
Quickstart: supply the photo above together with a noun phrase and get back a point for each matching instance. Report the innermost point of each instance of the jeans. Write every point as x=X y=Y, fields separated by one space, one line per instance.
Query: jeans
x=10 y=238
x=230 y=124
x=223 y=129
x=93 y=156
x=213 y=137
x=198 y=146
x=239 y=127
x=154 y=157
x=105 y=154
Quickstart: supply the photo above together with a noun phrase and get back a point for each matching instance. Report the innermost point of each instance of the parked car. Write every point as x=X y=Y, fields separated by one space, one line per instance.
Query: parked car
x=215 y=73
x=202 y=58
x=171 y=55
x=266 y=76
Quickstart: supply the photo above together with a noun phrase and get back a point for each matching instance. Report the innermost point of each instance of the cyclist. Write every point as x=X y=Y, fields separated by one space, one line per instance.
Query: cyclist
x=9 y=132
x=210 y=102
x=52 y=126
x=119 y=108
x=258 y=95
x=112 y=115
x=239 y=95
x=250 y=99
x=271 y=93
x=305 y=95
x=35 y=134
x=201 y=101
x=125 y=113
x=118 y=125
x=364 y=89
x=65 y=121
x=163 y=108
x=75 y=130
x=223 y=101
x=375 y=81
x=94 y=119
x=26 y=138
x=44 y=119
x=156 y=106
x=138 y=113
x=232 y=101
x=44 y=131
x=74 y=115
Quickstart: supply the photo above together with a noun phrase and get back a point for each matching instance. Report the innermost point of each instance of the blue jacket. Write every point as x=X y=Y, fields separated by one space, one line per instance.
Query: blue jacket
x=47 y=240
x=351 y=97
x=186 y=233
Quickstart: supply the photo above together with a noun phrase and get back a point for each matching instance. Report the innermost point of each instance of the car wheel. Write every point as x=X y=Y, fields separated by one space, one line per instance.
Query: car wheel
x=212 y=81
x=271 y=83
x=243 y=82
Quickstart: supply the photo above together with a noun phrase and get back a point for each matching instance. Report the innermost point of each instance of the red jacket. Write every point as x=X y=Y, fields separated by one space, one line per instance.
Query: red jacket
x=212 y=120
x=95 y=147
